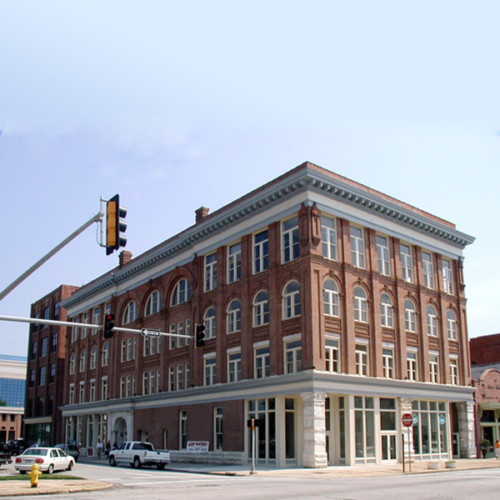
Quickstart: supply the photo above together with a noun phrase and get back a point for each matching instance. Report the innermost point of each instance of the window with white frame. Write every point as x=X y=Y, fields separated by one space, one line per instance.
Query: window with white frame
x=180 y=331
x=293 y=355
x=451 y=322
x=291 y=300
x=145 y=346
x=72 y=364
x=406 y=263
x=81 y=392
x=209 y=320
x=123 y=352
x=383 y=259
x=410 y=316
x=328 y=238
x=131 y=343
x=357 y=247
x=182 y=430
x=92 y=390
x=412 y=365
x=447 y=276
x=96 y=318
x=428 y=266
x=71 y=396
x=234 y=263
x=218 y=434
x=261 y=309
x=173 y=330
x=83 y=361
x=145 y=383
x=386 y=311
x=181 y=292
x=93 y=358
x=360 y=305
x=332 y=354
x=432 y=321
x=129 y=314
x=104 y=388
x=388 y=361
x=262 y=366
x=180 y=377
x=290 y=240
x=233 y=318
x=331 y=298
x=210 y=281
x=152 y=304
x=361 y=352
x=453 y=370
x=210 y=369
x=234 y=365
x=74 y=332
x=434 y=368
x=260 y=252
x=85 y=330
x=171 y=378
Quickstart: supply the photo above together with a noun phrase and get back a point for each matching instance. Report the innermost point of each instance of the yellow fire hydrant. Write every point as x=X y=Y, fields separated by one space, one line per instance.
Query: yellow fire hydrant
x=35 y=475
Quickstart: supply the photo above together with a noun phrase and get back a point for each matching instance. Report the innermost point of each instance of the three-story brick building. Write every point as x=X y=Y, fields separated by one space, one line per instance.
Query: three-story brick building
x=330 y=309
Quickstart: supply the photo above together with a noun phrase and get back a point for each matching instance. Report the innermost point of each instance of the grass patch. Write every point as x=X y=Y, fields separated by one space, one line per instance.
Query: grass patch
x=26 y=477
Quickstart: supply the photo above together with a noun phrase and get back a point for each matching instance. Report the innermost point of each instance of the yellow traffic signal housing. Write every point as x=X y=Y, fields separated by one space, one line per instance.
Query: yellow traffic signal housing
x=115 y=225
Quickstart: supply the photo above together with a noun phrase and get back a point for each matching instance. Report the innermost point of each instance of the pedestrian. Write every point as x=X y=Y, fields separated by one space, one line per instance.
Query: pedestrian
x=497 y=449
x=99 y=448
x=108 y=448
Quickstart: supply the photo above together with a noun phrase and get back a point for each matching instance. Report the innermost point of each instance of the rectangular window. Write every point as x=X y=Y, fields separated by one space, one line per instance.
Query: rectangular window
x=357 y=247
x=364 y=421
x=290 y=240
x=45 y=347
x=454 y=371
x=328 y=238
x=180 y=377
x=171 y=378
x=383 y=260
x=218 y=415
x=434 y=368
x=233 y=366
x=172 y=339
x=210 y=272
x=332 y=355
x=293 y=356
x=180 y=331
x=262 y=362
x=92 y=390
x=234 y=263
x=447 y=276
x=388 y=362
x=42 y=375
x=104 y=388
x=362 y=359
x=428 y=270
x=261 y=252
x=411 y=366
x=182 y=430
x=210 y=371
x=71 y=397
x=96 y=319
x=85 y=330
x=406 y=263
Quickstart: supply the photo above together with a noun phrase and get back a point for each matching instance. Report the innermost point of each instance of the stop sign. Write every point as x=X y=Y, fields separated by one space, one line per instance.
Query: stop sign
x=407 y=420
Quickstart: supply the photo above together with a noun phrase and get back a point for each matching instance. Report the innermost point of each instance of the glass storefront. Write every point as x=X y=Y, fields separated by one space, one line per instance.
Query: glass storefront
x=430 y=429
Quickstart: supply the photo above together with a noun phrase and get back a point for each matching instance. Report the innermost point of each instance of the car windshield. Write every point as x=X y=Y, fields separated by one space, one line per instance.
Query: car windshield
x=36 y=451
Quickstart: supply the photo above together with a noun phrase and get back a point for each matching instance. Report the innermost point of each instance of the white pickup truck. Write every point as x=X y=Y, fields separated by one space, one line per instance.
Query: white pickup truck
x=137 y=454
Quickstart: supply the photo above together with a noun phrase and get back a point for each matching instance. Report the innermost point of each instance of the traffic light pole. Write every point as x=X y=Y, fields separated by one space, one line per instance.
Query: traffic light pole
x=97 y=218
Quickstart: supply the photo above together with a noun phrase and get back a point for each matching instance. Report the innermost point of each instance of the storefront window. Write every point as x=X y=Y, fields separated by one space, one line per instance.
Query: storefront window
x=430 y=429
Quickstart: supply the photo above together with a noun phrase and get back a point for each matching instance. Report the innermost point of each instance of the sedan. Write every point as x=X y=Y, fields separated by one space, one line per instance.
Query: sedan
x=48 y=460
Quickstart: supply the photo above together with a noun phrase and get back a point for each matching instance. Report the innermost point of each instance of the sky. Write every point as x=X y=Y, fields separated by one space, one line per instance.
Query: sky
x=177 y=105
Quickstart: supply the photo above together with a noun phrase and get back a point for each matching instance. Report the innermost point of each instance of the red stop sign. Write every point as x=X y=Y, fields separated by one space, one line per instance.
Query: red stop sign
x=407 y=420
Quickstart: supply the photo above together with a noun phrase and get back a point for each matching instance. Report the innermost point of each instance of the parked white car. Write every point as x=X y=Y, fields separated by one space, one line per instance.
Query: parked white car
x=48 y=460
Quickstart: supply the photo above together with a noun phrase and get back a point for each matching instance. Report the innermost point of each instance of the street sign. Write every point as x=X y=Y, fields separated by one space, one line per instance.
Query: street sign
x=407 y=420
x=147 y=332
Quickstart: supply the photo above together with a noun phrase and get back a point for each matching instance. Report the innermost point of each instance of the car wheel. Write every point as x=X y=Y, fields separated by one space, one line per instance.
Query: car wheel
x=70 y=465
x=137 y=463
x=22 y=472
x=50 y=470
x=112 y=461
x=161 y=466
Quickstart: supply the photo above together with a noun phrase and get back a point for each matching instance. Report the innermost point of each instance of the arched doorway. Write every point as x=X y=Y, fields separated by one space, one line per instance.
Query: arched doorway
x=119 y=431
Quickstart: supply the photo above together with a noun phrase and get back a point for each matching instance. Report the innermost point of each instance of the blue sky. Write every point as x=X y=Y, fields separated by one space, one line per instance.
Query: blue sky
x=176 y=105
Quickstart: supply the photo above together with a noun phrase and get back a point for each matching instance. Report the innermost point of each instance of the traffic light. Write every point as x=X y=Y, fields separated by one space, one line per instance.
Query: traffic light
x=115 y=225
x=200 y=335
x=109 y=325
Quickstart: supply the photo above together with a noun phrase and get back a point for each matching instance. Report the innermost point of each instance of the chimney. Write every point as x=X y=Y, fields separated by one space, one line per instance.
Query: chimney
x=201 y=213
x=125 y=257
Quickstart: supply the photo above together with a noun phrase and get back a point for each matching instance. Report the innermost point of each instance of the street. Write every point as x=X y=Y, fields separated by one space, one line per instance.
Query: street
x=131 y=484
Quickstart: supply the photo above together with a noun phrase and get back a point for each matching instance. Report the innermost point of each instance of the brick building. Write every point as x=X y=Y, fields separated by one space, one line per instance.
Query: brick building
x=45 y=370
x=12 y=386
x=485 y=359
x=330 y=309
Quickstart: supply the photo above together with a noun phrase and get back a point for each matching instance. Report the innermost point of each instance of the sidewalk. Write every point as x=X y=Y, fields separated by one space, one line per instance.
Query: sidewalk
x=51 y=486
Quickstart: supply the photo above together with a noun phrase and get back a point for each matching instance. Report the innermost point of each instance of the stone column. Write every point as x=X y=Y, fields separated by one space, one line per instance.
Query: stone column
x=466 y=429
x=314 y=454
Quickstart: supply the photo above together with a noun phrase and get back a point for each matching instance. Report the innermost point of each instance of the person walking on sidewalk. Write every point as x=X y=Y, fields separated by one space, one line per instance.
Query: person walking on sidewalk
x=497 y=449
x=99 y=448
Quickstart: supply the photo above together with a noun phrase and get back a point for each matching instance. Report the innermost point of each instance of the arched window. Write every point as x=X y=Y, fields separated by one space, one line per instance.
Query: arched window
x=105 y=354
x=210 y=323
x=331 y=298
x=261 y=309
x=130 y=314
x=410 y=316
x=93 y=357
x=452 y=325
x=181 y=292
x=360 y=305
x=83 y=360
x=386 y=311
x=152 y=304
x=291 y=300
x=432 y=321
x=234 y=317
x=72 y=364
